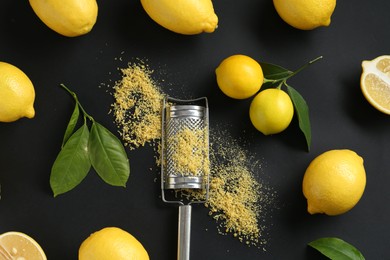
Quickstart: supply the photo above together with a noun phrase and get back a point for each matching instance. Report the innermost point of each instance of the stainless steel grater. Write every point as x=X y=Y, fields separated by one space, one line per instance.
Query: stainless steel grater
x=184 y=116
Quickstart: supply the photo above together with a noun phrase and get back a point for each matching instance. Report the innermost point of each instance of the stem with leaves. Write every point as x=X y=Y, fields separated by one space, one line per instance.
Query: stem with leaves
x=277 y=75
x=84 y=148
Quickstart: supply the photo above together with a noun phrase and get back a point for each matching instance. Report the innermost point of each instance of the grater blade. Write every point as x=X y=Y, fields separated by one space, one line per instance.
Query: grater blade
x=184 y=136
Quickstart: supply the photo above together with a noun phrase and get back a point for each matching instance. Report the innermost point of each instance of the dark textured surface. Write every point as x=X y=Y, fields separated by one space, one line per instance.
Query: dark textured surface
x=340 y=117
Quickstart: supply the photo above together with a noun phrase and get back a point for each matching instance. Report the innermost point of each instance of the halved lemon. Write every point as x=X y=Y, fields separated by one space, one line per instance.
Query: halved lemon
x=17 y=245
x=375 y=82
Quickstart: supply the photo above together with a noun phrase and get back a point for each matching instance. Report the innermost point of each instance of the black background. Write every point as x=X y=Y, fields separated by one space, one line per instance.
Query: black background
x=340 y=118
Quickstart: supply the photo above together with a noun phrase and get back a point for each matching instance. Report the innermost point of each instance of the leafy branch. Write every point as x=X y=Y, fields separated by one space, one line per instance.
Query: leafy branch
x=82 y=149
x=277 y=75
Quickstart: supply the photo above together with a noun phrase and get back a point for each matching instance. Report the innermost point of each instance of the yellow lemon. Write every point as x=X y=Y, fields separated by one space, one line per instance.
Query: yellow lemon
x=112 y=243
x=17 y=245
x=375 y=82
x=271 y=111
x=184 y=16
x=239 y=76
x=334 y=182
x=67 y=17
x=305 y=14
x=17 y=94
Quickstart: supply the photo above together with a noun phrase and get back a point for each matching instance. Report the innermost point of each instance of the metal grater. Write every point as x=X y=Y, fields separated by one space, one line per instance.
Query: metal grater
x=184 y=116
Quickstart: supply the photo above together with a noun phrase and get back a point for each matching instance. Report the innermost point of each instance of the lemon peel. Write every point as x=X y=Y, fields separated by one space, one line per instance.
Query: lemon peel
x=239 y=76
x=334 y=182
x=305 y=14
x=112 y=243
x=271 y=111
x=70 y=18
x=17 y=94
x=184 y=17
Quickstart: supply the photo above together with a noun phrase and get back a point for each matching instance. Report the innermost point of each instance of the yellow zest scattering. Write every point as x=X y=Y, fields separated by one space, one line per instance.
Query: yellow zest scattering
x=137 y=107
x=237 y=200
x=233 y=200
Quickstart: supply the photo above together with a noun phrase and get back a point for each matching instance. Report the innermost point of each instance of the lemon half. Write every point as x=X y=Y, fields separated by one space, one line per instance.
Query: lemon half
x=375 y=82
x=18 y=245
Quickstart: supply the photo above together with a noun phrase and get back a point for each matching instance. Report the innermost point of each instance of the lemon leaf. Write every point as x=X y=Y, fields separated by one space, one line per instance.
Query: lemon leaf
x=336 y=248
x=274 y=72
x=302 y=111
x=80 y=150
x=108 y=156
x=72 y=163
x=72 y=124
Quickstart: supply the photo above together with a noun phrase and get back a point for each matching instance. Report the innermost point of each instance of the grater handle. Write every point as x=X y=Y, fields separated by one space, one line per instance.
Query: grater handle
x=184 y=232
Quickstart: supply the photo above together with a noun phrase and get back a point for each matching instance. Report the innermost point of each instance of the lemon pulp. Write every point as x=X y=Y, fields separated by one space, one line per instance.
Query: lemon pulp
x=18 y=245
x=375 y=82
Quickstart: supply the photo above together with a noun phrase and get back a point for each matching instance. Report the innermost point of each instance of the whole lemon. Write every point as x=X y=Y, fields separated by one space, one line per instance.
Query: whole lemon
x=67 y=17
x=334 y=182
x=271 y=111
x=17 y=94
x=305 y=14
x=239 y=76
x=184 y=16
x=112 y=243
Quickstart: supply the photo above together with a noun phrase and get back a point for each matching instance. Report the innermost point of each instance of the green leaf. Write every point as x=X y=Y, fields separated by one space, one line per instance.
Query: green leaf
x=302 y=111
x=108 y=156
x=336 y=249
x=72 y=163
x=72 y=124
x=274 y=72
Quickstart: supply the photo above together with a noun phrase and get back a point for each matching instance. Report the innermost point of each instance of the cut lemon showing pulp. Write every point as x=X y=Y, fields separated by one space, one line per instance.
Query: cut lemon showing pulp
x=17 y=245
x=375 y=82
